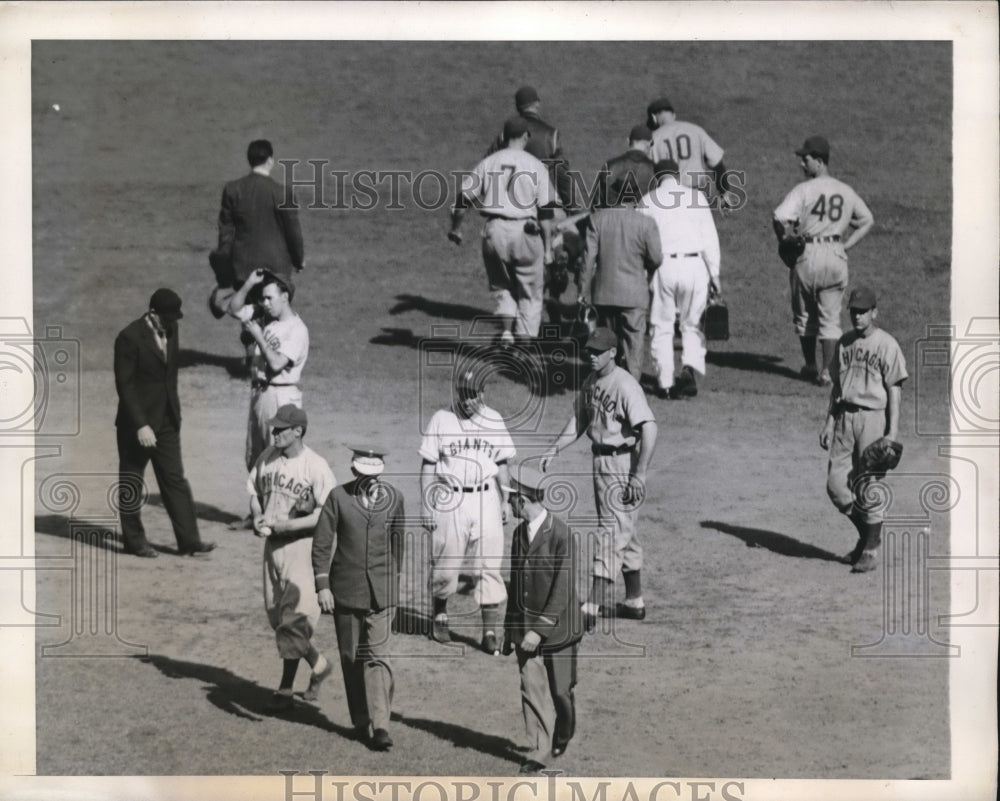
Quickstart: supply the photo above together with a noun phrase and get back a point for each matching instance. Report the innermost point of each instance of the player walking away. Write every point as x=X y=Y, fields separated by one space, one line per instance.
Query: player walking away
x=612 y=410
x=288 y=485
x=832 y=219
x=465 y=453
x=544 y=144
x=622 y=252
x=542 y=623
x=512 y=190
x=357 y=556
x=626 y=178
x=867 y=374
x=148 y=426
x=681 y=285
x=281 y=348
x=696 y=153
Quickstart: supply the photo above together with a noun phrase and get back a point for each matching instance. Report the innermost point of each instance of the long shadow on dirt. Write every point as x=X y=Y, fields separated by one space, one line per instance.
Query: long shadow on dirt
x=241 y=697
x=753 y=362
x=462 y=737
x=773 y=541
x=436 y=308
x=195 y=358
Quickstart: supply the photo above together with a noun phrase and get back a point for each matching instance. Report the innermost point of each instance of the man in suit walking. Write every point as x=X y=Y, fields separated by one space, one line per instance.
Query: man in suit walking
x=357 y=554
x=149 y=426
x=543 y=622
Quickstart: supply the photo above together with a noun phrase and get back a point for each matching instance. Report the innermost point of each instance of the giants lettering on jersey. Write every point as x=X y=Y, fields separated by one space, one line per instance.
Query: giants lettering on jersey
x=456 y=447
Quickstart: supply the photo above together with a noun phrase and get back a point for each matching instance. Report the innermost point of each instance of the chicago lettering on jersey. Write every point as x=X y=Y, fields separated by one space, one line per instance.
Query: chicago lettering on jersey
x=600 y=399
x=859 y=355
x=273 y=480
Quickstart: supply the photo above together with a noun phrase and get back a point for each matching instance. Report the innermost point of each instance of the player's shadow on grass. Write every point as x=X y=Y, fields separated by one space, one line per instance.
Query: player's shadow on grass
x=462 y=737
x=203 y=511
x=435 y=308
x=754 y=362
x=234 y=365
x=101 y=535
x=773 y=541
x=241 y=697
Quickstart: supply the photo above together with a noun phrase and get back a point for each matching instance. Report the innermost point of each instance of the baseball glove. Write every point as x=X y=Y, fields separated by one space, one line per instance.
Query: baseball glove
x=881 y=456
x=790 y=248
x=304 y=506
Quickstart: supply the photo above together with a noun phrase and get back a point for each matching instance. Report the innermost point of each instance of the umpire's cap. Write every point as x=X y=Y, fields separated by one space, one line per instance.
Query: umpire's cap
x=515 y=127
x=640 y=133
x=167 y=305
x=525 y=96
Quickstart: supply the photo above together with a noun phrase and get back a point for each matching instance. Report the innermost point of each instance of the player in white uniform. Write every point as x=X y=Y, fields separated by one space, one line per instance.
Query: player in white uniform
x=282 y=347
x=868 y=371
x=288 y=487
x=612 y=409
x=513 y=191
x=465 y=453
x=696 y=153
x=690 y=246
x=833 y=219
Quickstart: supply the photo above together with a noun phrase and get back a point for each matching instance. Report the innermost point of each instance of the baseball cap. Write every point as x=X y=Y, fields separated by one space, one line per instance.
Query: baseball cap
x=525 y=480
x=660 y=104
x=469 y=382
x=640 y=133
x=602 y=339
x=288 y=416
x=666 y=166
x=862 y=298
x=525 y=96
x=814 y=146
x=283 y=282
x=515 y=127
x=167 y=304
x=368 y=460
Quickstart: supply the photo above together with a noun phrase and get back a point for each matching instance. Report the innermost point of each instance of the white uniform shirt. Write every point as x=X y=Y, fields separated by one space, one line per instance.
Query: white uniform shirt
x=823 y=206
x=466 y=452
x=612 y=408
x=684 y=220
x=288 y=337
x=509 y=183
x=279 y=482
x=695 y=152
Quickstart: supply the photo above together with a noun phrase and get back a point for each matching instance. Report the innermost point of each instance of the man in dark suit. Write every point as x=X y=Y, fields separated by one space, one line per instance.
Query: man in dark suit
x=626 y=178
x=543 y=623
x=357 y=554
x=149 y=426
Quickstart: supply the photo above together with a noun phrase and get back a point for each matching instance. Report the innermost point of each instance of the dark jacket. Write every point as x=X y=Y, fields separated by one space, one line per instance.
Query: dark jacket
x=255 y=232
x=357 y=552
x=544 y=145
x=145 y=380
x=543 y=594
x=625 y=178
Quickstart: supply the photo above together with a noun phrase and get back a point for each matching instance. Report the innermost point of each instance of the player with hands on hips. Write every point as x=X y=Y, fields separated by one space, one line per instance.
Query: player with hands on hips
x=867 y=373
x=287 y=486
x=464 y=455
x=830 y=218
x=612 y=410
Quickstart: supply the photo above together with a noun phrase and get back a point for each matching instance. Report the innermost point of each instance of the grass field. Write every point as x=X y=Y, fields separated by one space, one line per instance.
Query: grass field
x=744 y=666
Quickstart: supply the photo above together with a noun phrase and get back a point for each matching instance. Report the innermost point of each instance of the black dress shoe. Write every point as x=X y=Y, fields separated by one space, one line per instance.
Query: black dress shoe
x=200 y=548
x=531 y=768
x=145 y=553
x=381 y=741
x=625 y=612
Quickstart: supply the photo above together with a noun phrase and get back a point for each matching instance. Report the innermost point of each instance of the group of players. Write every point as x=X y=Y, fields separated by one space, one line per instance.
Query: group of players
x=651 y=257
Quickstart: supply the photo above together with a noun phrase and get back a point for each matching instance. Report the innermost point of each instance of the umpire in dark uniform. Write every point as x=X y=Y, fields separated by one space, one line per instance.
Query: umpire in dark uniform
x=543 y=622
x=357 y=555
x=543 y=143
x=149 y=426
x=626 y=178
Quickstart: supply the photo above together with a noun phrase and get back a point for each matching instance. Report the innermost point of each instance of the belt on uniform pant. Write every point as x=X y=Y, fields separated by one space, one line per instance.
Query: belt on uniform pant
x=258 y=384
x=610 y=450
x=681 y=255
x=478 y=488
x=853 y=407
x=834 y=238
x=501 y=217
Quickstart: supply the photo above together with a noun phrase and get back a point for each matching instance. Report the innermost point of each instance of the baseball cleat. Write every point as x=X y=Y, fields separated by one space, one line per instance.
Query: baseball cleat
x=490 y=644
x=853 y=557
x=531 y=768
x=280 y=702
x=824 y=380
x=866 y=563
x=316 y=679
x=381 y=741
x=439 y=629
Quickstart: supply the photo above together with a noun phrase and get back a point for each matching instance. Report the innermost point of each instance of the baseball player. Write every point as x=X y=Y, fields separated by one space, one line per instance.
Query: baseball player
x=288 y=485
x=696 y=153
x=626 y=178
x=512 y=190
x=681 y=285
x=867 y=374
x=544 y=144
x=281 y=350
x=611 y=409
x=832 y=219
x=465 y=453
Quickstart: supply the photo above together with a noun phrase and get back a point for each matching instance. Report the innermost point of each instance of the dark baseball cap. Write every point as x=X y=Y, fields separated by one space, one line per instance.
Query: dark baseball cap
x=666 y=167
x=525 y=480
x=660 y=104
x=640 y=133
x=814 y=146
x=288 y=416
x=469 y=382
x=862 y=298
x=525 y=96
x=515 y=127
x=167 y=304
x=601 y=340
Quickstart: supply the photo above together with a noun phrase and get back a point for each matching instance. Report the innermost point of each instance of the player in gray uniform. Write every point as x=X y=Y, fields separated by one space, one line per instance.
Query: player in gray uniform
x=868 y=371
x=612 y=410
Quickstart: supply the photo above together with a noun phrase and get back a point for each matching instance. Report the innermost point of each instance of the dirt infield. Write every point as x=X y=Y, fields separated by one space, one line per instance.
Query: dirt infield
x=744 y=666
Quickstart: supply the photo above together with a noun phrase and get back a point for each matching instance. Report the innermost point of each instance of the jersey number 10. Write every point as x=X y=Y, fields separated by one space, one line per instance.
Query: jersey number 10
x=683 y=143
x=834 y=208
